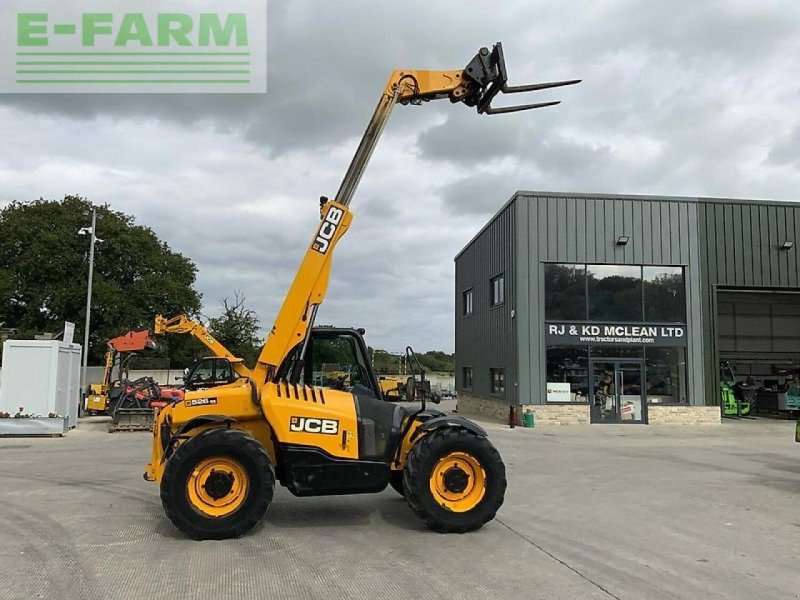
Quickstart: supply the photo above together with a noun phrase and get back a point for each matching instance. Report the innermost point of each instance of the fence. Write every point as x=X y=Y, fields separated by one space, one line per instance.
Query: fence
x=168 y=376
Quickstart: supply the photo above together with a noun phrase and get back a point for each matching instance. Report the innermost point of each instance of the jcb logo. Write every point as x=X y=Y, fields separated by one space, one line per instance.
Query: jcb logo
x=325 y=426
x=327 y=230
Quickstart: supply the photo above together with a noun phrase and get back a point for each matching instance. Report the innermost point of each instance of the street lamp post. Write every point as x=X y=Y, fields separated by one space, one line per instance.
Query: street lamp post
x=92 y=231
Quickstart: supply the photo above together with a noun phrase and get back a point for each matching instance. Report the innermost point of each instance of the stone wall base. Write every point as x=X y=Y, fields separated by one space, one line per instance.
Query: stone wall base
x=497 y=410
x=558 y=414
x=486 y=408
x=684 y=415
x=578 y=414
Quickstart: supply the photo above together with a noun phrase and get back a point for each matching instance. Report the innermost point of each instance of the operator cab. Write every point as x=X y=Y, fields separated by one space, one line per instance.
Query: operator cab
x=335 y=358
x=209 y=373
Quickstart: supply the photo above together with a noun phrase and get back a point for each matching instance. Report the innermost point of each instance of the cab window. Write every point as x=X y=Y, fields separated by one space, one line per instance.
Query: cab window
x=337 y=363
x=203 y=372
x=333 y=360
x=223 y=371
x=211 y=372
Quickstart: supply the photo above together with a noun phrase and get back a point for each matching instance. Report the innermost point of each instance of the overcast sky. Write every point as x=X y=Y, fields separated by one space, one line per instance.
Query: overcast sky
x=679 y=98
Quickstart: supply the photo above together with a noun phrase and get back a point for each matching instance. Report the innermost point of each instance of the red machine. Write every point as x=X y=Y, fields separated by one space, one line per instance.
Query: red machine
x=130 y=403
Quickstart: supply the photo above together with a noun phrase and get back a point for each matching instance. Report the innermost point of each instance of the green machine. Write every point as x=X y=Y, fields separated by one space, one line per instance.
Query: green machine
x=737 y=399
x=793 y=401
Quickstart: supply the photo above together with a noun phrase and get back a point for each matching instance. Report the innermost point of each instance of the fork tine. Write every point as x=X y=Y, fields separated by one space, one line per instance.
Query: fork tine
x=489 y=110
x=515 y=89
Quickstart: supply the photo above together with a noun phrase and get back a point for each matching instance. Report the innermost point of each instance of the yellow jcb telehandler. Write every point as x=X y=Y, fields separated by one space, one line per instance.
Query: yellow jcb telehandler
x=216 y=455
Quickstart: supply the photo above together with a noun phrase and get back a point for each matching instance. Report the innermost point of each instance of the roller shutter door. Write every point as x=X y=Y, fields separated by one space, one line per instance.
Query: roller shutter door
x=758 y=324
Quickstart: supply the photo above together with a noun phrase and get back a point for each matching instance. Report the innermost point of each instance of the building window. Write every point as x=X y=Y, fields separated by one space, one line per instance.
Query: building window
x=467 y=303
x=565 y=292
x=615 y=293
x=498 y=377
x=498 y=292
x=665 y=372
x=664 y=295
x=629 y=351
x=567 y=374
x=466 y=376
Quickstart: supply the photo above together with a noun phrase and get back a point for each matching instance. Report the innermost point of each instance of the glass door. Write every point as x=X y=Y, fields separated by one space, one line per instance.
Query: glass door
x=618 y=391
x=632 y=406
x=603 y=376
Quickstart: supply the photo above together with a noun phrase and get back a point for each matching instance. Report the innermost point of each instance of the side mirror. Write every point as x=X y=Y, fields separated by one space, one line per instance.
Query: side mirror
x=186 y=372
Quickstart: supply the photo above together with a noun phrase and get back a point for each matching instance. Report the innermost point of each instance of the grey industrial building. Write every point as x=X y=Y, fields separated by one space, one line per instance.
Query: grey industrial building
x=589 y=308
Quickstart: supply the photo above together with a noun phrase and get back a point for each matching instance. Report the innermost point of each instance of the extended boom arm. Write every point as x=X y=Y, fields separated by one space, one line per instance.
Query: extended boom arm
x=183 y=324
x=476 y=85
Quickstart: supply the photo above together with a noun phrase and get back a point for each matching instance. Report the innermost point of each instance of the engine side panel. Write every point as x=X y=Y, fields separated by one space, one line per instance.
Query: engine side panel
x=234 y=400
x=308 y=416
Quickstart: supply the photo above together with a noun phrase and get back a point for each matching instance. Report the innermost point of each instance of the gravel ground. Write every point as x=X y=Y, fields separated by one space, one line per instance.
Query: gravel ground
x=591 y=512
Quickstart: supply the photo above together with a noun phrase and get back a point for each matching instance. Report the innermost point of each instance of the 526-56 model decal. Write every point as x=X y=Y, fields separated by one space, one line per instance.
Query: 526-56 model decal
x=200 y=402
x=309 y=425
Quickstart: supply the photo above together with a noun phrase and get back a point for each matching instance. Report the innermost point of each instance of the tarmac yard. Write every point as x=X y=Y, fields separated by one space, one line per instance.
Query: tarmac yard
x=628 y=512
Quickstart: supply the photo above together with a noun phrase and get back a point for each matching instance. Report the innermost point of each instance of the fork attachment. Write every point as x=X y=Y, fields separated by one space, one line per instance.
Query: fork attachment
x=487 y=72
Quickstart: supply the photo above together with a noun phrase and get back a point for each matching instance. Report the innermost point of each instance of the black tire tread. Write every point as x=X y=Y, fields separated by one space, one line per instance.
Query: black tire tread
x=247 y=444
x=416 y=479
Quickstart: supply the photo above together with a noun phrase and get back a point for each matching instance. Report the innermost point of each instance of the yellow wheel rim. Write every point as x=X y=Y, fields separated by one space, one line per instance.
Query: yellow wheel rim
x=458 y=482
x=217 y=486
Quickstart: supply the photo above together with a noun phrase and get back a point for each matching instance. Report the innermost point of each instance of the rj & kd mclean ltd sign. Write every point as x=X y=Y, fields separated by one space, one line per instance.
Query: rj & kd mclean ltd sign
x=614 y=334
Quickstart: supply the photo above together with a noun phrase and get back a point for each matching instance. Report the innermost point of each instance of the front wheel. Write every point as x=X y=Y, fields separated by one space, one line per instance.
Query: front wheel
x=455 y=480
x=217 y=485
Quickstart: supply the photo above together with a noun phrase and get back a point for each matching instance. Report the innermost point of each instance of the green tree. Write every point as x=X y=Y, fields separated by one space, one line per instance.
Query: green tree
x=384 y=362
x=44 y=270
x=437 y=361
x=665 y=298
x=433 y=361
x=237 y=329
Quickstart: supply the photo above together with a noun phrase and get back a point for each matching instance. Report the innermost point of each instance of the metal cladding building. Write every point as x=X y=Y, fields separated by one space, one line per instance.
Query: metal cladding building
x=588 y=308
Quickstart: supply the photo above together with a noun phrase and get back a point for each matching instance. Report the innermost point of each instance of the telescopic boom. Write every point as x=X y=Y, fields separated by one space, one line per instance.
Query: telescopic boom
x=476 y=86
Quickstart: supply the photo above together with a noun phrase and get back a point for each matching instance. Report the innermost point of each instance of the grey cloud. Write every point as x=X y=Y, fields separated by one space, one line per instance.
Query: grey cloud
x=322 y=81
x=678 y=98
x=541 y=164
x=786 y=151
x=478 y=194
x=464 y=138
x=566 y=158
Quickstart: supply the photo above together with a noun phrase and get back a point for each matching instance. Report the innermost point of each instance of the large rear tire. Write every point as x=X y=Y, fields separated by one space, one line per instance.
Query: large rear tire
x=217 y=485
x=455 y=480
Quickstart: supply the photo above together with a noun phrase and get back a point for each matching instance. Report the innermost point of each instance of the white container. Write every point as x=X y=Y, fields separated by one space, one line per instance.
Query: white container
x=42 y=377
